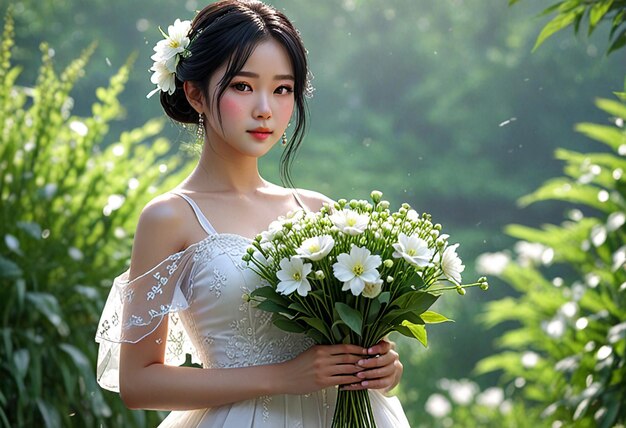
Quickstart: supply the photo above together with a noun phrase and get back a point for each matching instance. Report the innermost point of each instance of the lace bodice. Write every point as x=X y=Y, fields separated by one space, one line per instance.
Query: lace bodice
x=203 y=289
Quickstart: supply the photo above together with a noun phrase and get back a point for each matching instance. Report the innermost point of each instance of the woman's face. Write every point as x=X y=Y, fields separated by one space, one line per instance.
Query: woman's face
x=256 y=106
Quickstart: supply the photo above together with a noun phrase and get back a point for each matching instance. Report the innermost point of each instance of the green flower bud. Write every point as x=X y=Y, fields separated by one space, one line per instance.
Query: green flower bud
x=484 y=286
x=384 y=204
x=437 y=227
x=460 y=290
x=376 y=195
x=246 y=297
x=258 y=238
x=406 y=206
x=388 y=263
x=250 y=250
x=402 y=211
x=390 y=279
x=278 y=236
x=341 y=203
x=246 y=258
x=354 y=203
x=482 y=279
x=319 y=275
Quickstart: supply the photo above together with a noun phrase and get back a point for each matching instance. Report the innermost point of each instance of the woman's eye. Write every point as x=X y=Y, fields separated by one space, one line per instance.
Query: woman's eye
x=282 y=90
x=241 y=87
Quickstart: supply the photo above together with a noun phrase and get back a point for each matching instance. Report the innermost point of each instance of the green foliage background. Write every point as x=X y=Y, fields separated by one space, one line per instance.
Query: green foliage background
x=439 y=104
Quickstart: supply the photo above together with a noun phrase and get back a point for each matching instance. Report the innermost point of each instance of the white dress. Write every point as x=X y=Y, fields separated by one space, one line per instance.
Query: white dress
x=202 y=291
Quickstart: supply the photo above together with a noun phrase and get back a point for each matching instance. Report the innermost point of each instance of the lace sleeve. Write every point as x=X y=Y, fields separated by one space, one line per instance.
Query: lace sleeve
x=134 y=309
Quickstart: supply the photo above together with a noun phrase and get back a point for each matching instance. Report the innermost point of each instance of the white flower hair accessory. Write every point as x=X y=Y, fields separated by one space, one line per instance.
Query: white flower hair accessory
x=167 y=55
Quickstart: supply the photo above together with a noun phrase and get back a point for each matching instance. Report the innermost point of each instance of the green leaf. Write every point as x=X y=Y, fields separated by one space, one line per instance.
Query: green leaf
x=288 y=325
x=48 y=306
x=619 y=42
x=597 y=12
x=269 y=306
x=431 y=317
x=318 y=325
x=416 y=331
x=559 y=22
x=32 y=228
x=299 y=308
x=609 y=135
x=383 y=297
x=8 y=269
x=418 y=301
x=373 y=311
x=613 y=107
x=270 y=294
x=350 y=316
x=21 y=358
x=50 y=415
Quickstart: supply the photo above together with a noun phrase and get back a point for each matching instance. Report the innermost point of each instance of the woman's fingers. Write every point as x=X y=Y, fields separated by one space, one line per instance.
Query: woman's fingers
x=380 y=348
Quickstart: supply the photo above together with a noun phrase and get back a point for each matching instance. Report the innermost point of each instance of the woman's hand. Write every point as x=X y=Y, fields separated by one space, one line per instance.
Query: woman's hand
x=322 y=366
x=382 y=369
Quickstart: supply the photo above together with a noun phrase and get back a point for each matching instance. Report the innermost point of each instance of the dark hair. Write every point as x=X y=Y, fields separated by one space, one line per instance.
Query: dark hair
x=227 y=32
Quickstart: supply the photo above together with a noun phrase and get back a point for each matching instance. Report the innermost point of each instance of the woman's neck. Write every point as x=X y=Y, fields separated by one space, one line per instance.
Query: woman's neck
x=215 y=173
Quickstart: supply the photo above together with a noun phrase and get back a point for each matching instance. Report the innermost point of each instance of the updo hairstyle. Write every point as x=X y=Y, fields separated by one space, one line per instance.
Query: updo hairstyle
x=227 y=32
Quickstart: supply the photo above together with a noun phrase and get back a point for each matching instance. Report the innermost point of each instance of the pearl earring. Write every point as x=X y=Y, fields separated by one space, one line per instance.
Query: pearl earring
x=200 y=132
x=284 y=139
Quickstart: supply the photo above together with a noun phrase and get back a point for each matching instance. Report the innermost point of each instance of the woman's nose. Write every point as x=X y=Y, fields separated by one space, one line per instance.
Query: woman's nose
x=262 y=109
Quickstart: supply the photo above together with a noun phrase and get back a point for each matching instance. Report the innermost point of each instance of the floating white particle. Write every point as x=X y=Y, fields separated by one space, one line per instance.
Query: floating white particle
x=622 y=150
x=603 y=195
x=617 y=173
x=619 y=122
x=133 y=183
x=162 y=168
x=506 y=122
x=615 y=221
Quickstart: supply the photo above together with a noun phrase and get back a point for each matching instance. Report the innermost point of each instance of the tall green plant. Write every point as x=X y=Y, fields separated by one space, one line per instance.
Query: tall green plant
x=574 y=13
x=69 y=197
x=569 y=348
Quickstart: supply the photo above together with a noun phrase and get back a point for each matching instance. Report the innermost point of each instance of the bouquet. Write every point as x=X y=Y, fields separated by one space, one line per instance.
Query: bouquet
x=353 y=273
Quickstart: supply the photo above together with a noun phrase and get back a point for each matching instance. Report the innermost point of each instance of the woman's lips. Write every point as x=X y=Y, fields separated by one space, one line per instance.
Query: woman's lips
x=260 y=135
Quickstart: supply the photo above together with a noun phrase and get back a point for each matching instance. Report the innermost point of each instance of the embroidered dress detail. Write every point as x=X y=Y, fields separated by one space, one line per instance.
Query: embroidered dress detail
x=202 y=292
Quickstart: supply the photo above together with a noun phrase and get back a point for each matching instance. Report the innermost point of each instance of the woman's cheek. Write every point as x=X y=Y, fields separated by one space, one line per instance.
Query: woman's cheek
x=230 y=107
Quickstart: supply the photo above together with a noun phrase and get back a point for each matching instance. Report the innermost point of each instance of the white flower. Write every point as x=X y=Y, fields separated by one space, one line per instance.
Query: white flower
x=413 y=249
x=491 y=397
x=292 y=276
x=268 y=235
x=492 y=263
x=438 y=406
x=356 y=268
x=373 y=289
x=167 y=54
x=462 y=391
x=163 y=77
x=175 y=42
x=316 y=248
x=350 y=222
x=451 y=264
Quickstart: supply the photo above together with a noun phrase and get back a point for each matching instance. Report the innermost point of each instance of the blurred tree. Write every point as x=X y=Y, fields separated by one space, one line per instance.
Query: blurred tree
x=68 y=207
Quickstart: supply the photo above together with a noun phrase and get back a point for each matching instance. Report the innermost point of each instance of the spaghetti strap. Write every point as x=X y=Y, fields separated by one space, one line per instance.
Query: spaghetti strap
x=299 y=201
x=204 y=222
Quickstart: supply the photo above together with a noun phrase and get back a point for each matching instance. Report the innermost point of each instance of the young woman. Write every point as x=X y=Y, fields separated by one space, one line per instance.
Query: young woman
x=239 y=71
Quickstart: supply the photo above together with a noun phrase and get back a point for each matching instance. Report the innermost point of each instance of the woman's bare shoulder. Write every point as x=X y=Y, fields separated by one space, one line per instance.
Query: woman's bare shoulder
x=314 y=200
x=161 y=231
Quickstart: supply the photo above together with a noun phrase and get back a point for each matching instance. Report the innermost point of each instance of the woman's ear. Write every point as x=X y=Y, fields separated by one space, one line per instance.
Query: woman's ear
x=194 y=95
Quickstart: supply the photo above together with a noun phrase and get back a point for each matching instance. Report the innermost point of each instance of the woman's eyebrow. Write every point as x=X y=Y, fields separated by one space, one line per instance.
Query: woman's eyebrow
x=256 y=76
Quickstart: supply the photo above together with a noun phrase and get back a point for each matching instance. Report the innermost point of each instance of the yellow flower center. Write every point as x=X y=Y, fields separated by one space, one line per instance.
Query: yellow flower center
x=174 y=44
x=411 y=252
x=358 y=269
x=297 y=276
x=313 y=248
x=351 y=222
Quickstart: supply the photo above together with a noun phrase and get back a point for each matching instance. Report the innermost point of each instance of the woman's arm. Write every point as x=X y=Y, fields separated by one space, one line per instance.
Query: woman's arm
x=147 y=383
